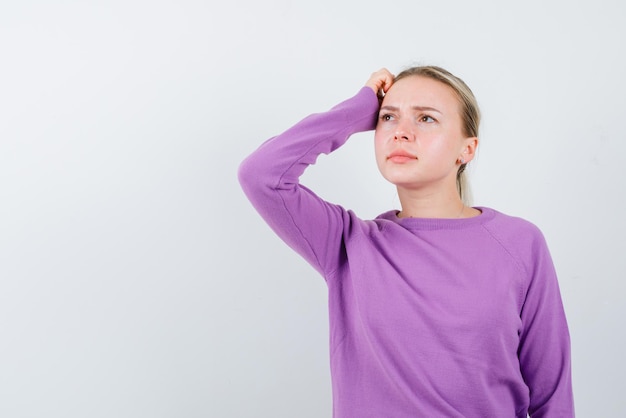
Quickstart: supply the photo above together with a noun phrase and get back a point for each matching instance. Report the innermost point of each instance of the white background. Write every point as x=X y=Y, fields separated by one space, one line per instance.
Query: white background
x=137 y=281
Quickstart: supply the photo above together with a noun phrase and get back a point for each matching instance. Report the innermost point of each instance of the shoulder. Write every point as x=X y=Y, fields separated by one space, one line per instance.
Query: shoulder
x=520 y=237
x=513 y=226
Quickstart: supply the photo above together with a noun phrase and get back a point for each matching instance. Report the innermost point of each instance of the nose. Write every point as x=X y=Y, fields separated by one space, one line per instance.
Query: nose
x=404 y=130
x=400 y=136
x=403 y=134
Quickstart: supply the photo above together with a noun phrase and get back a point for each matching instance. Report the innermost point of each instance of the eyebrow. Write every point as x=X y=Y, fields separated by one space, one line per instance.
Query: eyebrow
x=419 y=108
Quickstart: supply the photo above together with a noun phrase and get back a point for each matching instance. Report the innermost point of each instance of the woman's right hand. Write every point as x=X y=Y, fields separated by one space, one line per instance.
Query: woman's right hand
x=380 y=81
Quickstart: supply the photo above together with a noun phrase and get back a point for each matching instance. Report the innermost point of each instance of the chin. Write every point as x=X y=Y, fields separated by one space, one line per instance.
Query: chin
x=400 y=180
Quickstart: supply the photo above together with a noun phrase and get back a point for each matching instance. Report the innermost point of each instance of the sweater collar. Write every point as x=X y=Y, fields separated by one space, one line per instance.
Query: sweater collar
x=439 y=223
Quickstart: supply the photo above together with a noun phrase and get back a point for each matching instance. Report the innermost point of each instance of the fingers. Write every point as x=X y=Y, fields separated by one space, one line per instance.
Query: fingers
x=380 y=81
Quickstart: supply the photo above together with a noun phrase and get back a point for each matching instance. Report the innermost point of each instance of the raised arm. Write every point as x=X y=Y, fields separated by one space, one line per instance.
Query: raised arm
x=270 y=176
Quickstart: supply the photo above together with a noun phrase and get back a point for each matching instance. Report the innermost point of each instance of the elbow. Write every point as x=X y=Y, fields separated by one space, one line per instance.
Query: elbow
x=253 y=177
x=246 y=174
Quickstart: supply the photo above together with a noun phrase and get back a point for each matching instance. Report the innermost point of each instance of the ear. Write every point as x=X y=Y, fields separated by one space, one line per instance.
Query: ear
x=468 y=150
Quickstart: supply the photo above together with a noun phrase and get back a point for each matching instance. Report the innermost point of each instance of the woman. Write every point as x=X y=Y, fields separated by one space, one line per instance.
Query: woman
x=439 y=309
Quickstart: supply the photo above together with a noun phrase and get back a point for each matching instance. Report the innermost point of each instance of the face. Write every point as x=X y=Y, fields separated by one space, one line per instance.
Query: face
x=419 y=137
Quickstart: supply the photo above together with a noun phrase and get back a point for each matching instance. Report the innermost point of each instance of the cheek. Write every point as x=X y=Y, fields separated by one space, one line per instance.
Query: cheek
x=444 y=152
x=379 y=144
x=385 y=128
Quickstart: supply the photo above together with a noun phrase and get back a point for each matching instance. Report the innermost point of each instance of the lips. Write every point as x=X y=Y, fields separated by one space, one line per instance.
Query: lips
x=401 y=156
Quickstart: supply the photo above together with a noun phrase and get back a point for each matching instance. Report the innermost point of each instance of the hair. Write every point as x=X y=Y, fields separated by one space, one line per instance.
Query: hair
x=470 y=113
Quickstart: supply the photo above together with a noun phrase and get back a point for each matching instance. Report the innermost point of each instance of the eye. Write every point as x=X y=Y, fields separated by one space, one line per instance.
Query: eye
x=427 y=119
x=386 y=117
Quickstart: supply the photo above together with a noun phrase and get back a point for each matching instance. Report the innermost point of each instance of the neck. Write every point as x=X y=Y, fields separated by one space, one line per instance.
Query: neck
x=421 y=204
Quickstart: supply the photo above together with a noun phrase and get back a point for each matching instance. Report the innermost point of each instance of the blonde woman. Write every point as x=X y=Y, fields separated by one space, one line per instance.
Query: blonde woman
x=439 y=309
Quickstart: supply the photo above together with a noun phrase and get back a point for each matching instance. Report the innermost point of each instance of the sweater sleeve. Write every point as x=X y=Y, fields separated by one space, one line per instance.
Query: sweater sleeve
x=270 y=179
x=544 y=350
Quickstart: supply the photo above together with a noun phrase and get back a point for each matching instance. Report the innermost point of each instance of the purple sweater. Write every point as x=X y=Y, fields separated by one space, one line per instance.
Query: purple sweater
x=428 y=317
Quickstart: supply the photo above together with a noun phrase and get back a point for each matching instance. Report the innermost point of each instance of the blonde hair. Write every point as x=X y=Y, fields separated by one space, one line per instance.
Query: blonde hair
x=470 y=113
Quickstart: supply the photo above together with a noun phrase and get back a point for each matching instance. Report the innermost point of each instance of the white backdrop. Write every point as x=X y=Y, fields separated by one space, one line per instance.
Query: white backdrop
x=137 y=281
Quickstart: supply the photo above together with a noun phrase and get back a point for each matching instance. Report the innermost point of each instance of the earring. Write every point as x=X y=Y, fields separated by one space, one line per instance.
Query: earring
x=461 y=160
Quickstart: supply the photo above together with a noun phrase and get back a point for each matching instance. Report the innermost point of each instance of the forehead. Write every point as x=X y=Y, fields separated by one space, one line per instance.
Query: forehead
x=422 y=91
